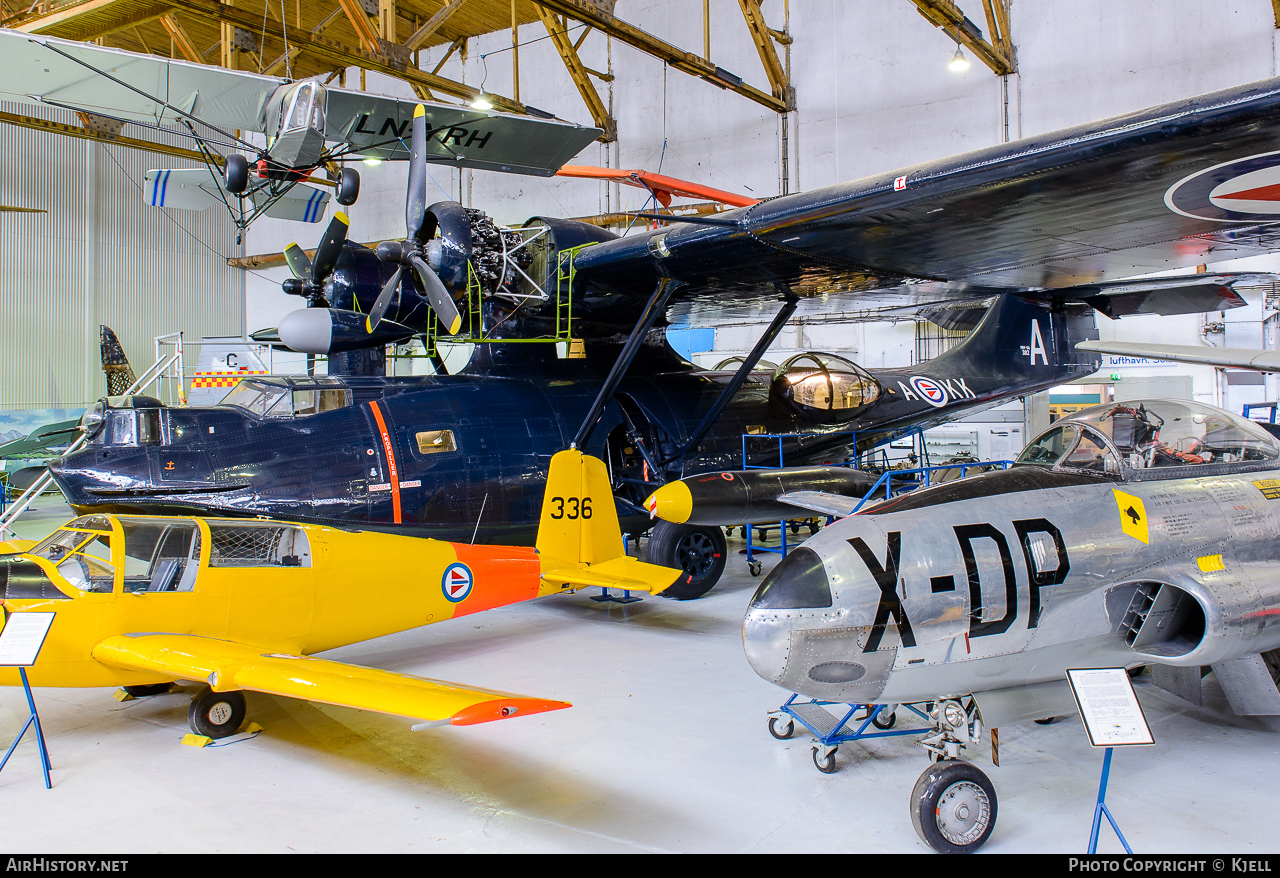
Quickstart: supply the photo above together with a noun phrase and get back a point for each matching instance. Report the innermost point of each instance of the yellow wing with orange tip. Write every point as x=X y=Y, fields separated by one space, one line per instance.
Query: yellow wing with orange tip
x=226 y=665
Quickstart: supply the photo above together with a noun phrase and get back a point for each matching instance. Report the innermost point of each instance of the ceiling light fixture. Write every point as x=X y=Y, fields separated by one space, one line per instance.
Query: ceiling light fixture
x=481 y=102
x=958 y=63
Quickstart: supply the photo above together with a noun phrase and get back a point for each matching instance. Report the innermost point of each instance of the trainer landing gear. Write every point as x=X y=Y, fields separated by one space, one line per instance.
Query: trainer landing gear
x=953 y=805
x=216 y=714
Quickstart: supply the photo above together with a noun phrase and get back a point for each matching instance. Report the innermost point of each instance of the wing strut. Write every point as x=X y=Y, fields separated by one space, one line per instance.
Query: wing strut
x=657 y=302
x=789 y=303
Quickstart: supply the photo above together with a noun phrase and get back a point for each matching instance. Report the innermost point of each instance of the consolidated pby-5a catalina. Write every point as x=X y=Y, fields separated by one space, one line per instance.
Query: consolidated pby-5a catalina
x=1136 y=533
x=1047 y=228
x=298 y=120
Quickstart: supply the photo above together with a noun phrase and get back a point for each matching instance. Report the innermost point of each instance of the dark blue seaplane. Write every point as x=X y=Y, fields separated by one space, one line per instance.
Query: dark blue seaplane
x=1039 y=233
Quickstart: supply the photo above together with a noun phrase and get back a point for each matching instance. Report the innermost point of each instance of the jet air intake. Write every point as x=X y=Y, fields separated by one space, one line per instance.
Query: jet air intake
x=824 y=388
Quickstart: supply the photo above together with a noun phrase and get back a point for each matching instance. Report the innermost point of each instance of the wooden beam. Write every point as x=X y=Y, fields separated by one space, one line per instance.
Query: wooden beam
x=594 y=13
x=558 y=30
x=955 y=24
x=1275 y=9
x=270 y=260
x=181 y=39
x=38 y=124
x=94 y=17
x=360 y=23
x=762 y=36
x=387 y=20
x=433 y=24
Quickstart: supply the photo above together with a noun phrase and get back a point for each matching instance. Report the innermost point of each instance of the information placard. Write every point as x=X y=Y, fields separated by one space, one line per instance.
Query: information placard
x=1109 y=707
x=22 y=637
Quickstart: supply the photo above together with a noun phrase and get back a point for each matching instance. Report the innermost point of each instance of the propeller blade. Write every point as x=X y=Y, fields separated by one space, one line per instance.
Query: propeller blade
x=438 y=296
x=415 y=206
x=299 y=261
x=330 y=248
x=379 y=309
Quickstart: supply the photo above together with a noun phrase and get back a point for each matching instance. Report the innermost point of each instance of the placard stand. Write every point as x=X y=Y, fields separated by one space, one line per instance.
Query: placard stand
x=21 y=639
x=1113 y=718
x=1102 y=808
x=32 y=720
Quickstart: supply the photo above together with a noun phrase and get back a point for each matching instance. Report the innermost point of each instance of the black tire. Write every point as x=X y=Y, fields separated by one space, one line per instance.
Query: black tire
x=698 y=551
x=1047 y=721
x=216 y=714
x=754 y=567
x=236 y=174
x=147 y=690
x=885 y=719
x=348 y=187
x=825 y=764
x=781 y=727
x=953 y=807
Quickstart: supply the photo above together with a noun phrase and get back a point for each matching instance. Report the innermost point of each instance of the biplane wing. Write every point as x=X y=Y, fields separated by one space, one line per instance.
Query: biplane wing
x=226 y=665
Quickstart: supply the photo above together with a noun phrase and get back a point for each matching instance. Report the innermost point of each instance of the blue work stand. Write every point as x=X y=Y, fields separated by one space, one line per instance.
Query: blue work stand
x=32 y=720
x=1101 y=808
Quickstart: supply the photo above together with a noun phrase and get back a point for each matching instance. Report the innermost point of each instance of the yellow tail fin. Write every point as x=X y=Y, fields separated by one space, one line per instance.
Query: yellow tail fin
x=579 y=539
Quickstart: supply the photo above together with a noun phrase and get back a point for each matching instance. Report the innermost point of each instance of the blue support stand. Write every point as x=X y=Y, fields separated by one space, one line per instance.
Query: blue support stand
x=605 y=597
x=34 y=719
x=1102 y=808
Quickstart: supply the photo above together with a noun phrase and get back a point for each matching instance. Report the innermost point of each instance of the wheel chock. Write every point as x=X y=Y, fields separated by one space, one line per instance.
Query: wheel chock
x=122 y=696
x=193 y=740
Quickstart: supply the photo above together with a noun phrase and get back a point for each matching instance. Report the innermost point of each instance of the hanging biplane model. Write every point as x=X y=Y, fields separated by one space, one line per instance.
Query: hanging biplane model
x=1129 y=534
x=238 y=605
x=306 y=126
x=1039 y=233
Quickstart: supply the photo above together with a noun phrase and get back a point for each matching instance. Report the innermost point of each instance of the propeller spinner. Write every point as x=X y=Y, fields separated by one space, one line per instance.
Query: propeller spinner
x=409 y=253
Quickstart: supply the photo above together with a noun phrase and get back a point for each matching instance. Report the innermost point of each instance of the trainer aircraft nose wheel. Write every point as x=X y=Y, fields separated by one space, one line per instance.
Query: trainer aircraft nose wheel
x=953 y=807
x=216 y=714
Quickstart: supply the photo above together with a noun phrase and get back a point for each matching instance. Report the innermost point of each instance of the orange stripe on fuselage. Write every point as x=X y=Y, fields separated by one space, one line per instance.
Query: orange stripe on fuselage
x=500 y=575
x=389 y=448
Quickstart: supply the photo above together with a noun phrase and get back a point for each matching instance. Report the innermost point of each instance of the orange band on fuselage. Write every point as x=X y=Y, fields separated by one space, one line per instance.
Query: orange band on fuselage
x=394 y=472
x=501 y=575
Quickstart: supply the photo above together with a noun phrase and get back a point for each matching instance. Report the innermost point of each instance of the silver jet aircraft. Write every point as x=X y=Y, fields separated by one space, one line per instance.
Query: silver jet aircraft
x=1129 y=534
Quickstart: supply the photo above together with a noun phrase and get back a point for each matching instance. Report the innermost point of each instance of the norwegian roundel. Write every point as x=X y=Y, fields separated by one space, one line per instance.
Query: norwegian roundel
x=930 y=391
x=1245 y=189
x=456 y=582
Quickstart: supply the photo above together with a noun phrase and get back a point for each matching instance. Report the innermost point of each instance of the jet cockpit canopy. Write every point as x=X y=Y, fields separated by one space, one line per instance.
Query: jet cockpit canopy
x=1151 y=438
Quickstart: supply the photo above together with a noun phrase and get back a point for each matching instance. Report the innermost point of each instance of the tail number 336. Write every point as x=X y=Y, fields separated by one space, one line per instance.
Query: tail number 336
x=571 y=507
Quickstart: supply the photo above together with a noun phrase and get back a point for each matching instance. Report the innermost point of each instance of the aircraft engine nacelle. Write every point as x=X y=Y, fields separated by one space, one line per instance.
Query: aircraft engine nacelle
x=1194 y=623
x=333 y=331
x=824 y=388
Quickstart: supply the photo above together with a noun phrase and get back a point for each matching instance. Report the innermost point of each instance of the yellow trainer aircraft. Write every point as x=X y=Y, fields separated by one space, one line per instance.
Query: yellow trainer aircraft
x=239 y=604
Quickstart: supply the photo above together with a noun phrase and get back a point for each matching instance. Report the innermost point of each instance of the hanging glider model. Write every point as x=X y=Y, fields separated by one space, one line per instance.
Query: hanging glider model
x=305 y=126
x=241 y=605
x=1136 y=533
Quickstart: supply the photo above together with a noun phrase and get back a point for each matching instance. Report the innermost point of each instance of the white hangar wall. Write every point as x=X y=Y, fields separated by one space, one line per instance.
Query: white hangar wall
x=99 y=255
x=873 y=94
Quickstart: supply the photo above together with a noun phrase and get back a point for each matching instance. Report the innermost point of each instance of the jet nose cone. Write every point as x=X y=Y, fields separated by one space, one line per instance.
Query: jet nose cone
x=672 y=502
x=798 y=582
x=309 y=331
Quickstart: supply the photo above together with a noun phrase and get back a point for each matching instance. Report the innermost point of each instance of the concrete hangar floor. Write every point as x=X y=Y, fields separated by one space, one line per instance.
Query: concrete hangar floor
x=665 y=750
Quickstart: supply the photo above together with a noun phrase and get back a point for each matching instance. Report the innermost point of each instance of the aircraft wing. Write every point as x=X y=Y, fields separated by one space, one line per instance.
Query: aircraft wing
x=1236 y=358
x=1069 y=214
x=41 y=440
x=226 y=665
x=197 y=189
x=37 y=69
x=835 y=505
x=379 y=126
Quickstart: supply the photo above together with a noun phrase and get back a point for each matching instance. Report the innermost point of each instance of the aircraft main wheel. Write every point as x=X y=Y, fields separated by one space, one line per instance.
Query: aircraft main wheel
x=146 y=690
x=236 y=174
x=953 y=807
x=781 y=727
x=885 y=719
x=216 y=714
x=348 y=187
x=825 y=764
x=698 y=551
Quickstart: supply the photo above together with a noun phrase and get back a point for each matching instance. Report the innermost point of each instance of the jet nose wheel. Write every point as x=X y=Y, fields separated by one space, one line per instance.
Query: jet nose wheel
x=216 y=714
x=953 y=807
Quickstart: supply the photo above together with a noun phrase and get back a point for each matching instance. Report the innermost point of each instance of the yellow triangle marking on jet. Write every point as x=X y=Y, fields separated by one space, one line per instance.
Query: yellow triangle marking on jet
x=1133 y=516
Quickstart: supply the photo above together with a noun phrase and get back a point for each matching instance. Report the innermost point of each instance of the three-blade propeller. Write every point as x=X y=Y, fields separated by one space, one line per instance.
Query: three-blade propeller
x=409 y=252
x=308 y=276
